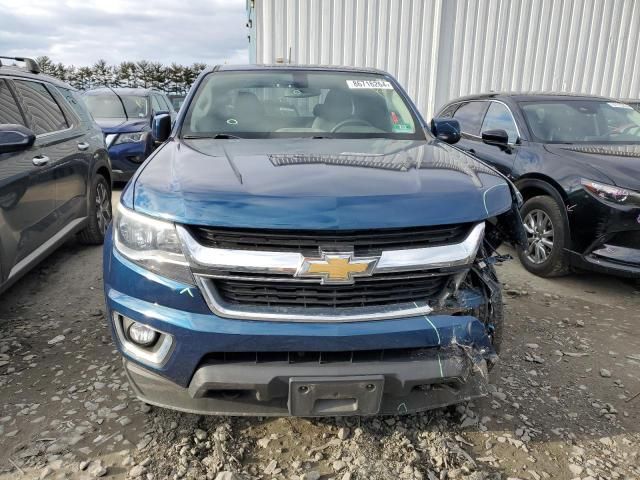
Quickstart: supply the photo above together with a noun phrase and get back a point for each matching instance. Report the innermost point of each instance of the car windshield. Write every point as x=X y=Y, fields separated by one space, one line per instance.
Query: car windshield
x=582 y=121
x=109 y=105
x=298 y=103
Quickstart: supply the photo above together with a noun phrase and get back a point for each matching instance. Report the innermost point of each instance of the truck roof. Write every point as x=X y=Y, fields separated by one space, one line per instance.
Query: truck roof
x=288 y=66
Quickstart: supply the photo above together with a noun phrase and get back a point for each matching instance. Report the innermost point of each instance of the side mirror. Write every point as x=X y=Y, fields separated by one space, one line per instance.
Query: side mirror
x=161 y=127
x=446 y=129
x=499 y=138
x=14 y=138
x=154 y=114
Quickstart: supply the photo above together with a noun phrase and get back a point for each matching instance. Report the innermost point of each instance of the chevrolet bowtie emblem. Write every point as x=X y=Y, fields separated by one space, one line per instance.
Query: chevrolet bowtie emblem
x=337 y=268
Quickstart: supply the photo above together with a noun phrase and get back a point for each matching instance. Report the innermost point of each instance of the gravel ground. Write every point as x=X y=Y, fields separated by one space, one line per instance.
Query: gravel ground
x=564 y=402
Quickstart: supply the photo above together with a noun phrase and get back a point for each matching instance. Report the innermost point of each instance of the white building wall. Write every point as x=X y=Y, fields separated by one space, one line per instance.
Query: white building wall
x=442 y=49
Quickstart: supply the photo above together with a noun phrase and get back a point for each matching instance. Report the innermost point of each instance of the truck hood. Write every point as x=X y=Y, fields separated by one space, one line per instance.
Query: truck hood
x=122 y=125
x=316 y=184
x=619 y=163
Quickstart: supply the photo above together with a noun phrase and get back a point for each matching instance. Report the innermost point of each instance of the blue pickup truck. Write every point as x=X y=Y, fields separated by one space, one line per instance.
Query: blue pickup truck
x=303 y=243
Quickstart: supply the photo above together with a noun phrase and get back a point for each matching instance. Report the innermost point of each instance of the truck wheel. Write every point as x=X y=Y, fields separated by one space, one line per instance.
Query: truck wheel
x=546 y=237
x=100 y=214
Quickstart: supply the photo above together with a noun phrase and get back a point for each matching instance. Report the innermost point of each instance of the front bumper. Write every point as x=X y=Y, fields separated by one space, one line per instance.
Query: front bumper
x=606 y=237
x=385 y=388
x=447 y=363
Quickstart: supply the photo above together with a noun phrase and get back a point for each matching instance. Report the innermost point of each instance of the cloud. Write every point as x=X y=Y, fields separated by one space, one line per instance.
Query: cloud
x=80 y=32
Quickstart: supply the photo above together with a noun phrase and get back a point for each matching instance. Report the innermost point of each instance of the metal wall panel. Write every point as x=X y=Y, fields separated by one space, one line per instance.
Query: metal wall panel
x=442 y=49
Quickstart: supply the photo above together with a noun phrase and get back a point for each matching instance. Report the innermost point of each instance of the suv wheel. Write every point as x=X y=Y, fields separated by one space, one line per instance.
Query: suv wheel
x=546 y=236
x=100 y=214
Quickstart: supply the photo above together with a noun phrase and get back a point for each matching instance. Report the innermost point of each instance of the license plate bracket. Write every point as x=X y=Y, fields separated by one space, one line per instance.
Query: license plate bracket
x=335 y=396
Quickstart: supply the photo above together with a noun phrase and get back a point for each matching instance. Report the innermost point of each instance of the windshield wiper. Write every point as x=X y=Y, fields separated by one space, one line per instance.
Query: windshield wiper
x=322 y=136
x=215 y=136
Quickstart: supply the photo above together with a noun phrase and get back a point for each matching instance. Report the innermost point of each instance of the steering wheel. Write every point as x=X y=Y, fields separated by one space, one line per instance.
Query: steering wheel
x=631 y=130
x=350 y=121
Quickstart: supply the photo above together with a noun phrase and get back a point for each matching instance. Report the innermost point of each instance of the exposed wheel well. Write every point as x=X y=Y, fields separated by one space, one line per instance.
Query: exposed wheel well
x=533 y=186
x=104 y=171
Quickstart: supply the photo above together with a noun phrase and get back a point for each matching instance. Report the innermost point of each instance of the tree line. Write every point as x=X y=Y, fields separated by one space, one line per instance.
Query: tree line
x=173 y=78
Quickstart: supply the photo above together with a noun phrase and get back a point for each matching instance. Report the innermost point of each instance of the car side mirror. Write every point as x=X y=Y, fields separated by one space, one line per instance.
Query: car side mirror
x=161 y=127
x=14 y=138
x=446 y=129
x=499 y=138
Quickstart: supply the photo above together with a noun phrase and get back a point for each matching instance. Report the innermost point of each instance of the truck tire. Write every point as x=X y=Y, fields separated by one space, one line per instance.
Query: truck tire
x=547 y=233
x=100 y=213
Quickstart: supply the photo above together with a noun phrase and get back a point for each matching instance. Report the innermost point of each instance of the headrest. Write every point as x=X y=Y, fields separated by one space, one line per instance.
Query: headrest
x=337 y=106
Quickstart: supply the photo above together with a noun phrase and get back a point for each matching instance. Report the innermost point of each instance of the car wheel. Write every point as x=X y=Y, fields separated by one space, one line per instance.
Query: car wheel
x=100 y=213
x=546 y=232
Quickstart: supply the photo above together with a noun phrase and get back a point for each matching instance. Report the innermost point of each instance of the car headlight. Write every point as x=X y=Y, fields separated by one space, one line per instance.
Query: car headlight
x=151 y=243
x=611 y=193
x=131 y=138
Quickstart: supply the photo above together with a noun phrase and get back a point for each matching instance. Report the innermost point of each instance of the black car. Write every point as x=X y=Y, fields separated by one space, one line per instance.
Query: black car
x=125 y=114
x=55 y=176
x=576 y=161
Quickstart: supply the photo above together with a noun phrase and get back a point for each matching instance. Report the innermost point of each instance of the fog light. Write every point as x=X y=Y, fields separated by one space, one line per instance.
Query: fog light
x=142 y=335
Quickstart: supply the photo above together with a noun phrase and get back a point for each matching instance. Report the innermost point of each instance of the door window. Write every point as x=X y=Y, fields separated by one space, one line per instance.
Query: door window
x=43 y=113
x=9 y=110
x=470 y=115
x=76 y=103
x=165 y=102
x=499 y=117
x=157 y=106
x=448 y=112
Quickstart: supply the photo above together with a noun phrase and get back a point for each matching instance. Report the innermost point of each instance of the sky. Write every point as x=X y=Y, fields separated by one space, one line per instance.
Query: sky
x=80 y=32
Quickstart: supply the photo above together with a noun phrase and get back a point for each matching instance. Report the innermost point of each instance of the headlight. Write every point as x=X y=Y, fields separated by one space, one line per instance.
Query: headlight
x=613 y=194
x=131 y=137
x=151 y=243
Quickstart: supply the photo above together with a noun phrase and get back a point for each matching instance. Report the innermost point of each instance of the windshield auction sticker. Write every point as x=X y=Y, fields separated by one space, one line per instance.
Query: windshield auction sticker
x=370 y=84
x=620 y=105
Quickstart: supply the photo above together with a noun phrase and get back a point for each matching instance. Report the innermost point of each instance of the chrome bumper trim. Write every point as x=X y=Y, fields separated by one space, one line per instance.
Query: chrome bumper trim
x=308 y=315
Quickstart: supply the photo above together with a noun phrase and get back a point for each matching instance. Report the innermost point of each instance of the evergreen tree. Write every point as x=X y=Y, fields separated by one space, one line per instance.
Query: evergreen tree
x=102 y=74
x=176 y=78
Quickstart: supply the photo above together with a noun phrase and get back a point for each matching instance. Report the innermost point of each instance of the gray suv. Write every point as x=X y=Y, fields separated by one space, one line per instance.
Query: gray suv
x=55 y=175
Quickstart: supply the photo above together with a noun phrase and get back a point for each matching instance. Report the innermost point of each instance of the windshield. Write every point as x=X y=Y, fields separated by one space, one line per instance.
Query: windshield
x=108 y=105
x=299 y=103
x=582 y=121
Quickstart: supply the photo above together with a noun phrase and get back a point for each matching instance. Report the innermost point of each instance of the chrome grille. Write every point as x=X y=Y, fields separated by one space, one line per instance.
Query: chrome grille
x=254 y=274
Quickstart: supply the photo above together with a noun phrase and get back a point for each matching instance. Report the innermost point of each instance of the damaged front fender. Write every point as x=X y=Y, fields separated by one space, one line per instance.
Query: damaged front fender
x=507 y=227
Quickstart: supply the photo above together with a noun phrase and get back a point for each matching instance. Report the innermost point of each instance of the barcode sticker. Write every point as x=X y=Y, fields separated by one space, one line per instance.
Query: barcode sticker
x=370 y=84
x=620 y=105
